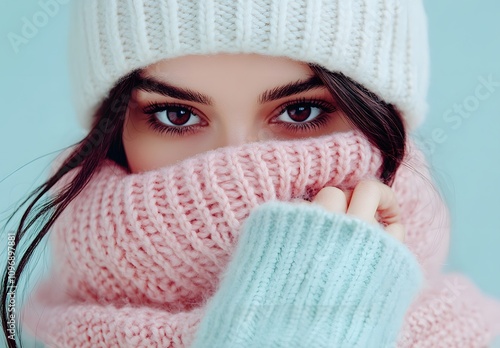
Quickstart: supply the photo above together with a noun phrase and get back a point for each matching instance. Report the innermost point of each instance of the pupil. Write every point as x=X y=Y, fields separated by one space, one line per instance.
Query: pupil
x=302 y=113
x=178 y=116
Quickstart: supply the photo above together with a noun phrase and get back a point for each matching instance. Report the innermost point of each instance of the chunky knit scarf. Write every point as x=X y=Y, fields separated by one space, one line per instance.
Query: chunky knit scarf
x=137 y=255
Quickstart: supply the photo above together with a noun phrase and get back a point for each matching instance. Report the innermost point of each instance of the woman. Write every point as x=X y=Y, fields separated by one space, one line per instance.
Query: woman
x=175 y=222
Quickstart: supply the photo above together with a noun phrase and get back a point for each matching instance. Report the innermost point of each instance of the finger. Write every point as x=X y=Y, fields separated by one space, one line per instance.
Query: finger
x=397 y=230
x=332 y=199
x=348 y=196
x=371 y=198
x=364 y=201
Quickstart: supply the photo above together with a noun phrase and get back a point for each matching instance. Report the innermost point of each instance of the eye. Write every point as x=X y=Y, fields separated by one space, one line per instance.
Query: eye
x=174 y=115
x=299 y=113
x=173 y=119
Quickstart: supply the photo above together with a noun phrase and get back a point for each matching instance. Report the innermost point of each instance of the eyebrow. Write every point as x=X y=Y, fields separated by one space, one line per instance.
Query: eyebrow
x=150 y=84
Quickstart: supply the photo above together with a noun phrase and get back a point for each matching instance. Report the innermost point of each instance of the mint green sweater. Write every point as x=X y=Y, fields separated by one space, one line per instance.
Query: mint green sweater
x=305 y=277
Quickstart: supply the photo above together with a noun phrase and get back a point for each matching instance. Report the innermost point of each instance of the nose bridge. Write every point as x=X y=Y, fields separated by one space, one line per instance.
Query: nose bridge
x=238 y=133
x=237 y=127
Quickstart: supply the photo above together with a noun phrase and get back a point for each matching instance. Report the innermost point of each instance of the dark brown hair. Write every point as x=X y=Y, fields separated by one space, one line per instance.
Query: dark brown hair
x=380 y=122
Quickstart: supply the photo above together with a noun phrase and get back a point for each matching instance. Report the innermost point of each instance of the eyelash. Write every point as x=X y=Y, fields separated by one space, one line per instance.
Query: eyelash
x=153 y=108
x=319 y=121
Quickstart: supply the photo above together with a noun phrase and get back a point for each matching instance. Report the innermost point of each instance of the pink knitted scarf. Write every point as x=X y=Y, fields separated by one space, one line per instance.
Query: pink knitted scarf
x=136 y=255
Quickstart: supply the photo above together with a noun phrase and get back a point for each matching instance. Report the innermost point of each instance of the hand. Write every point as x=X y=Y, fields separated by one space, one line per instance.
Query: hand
x=371 y=201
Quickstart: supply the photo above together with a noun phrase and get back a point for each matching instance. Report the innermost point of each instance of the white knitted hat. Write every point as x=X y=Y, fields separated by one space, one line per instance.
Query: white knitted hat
x=381 y=44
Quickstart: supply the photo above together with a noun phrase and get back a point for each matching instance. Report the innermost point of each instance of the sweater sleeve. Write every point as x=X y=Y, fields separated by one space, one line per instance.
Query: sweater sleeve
x=304 y=277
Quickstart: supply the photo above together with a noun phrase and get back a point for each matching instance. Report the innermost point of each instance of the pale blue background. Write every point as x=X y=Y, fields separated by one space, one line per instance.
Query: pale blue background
x=37 y=120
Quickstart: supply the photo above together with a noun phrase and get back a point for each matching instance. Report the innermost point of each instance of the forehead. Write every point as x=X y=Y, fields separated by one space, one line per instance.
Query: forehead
x=232 y=69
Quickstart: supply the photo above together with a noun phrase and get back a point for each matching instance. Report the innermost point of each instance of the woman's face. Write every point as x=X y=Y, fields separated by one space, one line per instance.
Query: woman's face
x=192 y=104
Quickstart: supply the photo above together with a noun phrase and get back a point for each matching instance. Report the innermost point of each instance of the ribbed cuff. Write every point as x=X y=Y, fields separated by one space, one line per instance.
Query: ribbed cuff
x=304 y=277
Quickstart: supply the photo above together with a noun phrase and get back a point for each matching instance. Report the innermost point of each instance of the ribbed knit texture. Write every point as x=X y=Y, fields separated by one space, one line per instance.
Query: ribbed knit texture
x=381 y=44
x=138 y=255
x=304 y=277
